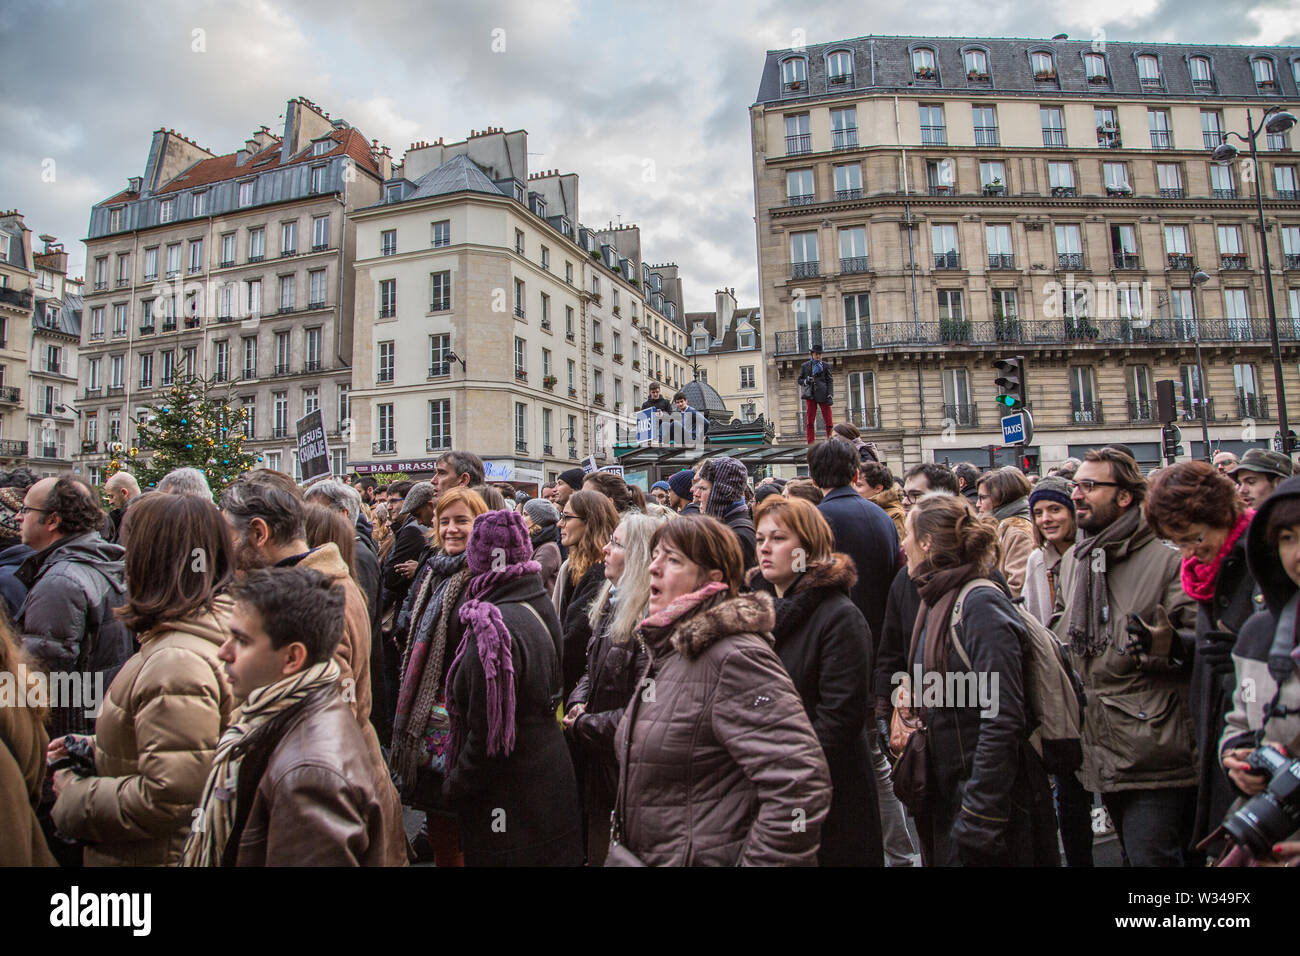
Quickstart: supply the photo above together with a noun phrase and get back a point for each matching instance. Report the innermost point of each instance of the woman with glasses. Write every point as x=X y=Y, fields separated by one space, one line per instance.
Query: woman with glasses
x=586 y=524
x=718 y=762
x=616 y=658
x=1004 y=494
x=1197 y=508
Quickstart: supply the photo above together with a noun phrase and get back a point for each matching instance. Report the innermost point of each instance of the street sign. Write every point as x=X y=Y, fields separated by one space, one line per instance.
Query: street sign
x=1017 y=429
x=614 y=470
x=313 y=450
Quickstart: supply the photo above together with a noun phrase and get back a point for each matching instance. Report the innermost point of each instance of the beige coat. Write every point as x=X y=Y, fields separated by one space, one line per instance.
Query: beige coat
x=154 y=743
x=22 y=769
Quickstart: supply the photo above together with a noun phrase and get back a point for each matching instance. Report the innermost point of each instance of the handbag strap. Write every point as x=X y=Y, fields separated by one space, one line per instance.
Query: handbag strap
x=620 y=796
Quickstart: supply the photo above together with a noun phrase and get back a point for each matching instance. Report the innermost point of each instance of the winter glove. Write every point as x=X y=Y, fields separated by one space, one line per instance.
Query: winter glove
x=1157 y=646
x=1214 y=648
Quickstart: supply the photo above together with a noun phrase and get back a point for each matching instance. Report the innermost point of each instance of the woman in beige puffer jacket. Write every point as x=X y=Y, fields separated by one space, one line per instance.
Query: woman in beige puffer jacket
x=171 y=702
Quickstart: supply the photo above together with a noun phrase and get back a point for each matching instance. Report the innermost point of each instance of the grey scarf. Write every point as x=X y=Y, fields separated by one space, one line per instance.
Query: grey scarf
x=1018 y=508
x=1089 y=631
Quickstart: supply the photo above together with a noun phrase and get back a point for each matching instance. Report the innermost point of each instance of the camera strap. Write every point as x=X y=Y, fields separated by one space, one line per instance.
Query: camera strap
x=1281 y=664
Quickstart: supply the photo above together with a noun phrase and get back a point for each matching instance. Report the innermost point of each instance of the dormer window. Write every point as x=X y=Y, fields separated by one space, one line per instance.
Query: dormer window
x=519 y=191
x=322 y=147
x=1094 y=65
x=839 y=68
x=700 y=343
x=923 y=64
x=1265 y=75
x=1149 y=73
x=1202 y=77
x=794 y=74
x=744 y=338
x=1043 y=65
x=977 y=65
x=167 y=210
x=393 y=192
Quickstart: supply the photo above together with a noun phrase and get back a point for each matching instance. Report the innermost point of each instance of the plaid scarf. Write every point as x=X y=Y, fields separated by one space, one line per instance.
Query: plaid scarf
x=217 y=810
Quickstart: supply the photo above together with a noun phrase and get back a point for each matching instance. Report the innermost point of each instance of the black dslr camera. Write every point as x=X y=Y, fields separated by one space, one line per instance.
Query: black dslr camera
x=80 y=758
x=1269 y=817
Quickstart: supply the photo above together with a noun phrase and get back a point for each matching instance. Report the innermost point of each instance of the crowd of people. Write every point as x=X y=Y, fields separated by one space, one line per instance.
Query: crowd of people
x=715 y=671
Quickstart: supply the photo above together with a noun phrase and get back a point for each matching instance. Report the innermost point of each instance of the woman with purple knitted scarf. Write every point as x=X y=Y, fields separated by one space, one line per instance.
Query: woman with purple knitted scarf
x=509 y=774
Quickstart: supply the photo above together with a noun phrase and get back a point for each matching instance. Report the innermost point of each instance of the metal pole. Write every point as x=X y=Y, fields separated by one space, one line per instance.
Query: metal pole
x=1283 y=427
x=1200 y=372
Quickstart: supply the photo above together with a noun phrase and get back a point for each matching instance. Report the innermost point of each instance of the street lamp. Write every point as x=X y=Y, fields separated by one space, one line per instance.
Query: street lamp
x=1199 y=278
x=1275 y=120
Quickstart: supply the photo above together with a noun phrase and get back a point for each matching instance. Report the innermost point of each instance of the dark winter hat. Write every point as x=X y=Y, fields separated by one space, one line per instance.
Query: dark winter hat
x=572 y=478
x=421 y=493
x=661 y=484
x=1051 y=489
x=680 y=484
x=729 y=480
x=10 y=523
x=541 y=512
x=766 y=491
x=498 y=538
x=1265 y=462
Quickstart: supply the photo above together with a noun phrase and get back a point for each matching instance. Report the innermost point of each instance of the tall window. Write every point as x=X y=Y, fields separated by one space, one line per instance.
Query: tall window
x=848 y=181
x=1221 y=184
x=943 y=237
x=280 y=411
x=288 y=238
x=388 y=242
x=1211 y=128
x=986 y=125
x=956 y=397
x=1107 y=126
x=439 y=424
x=441 y=233
x=1094 y=65
x=439 y=291
x=196 y=255
x=1060 y=176
x=799 y=189
x=923 y=64
x=933 y=132
x=1138 y=380
x=977 y=64
x=998 y=238
x=1149 y=72
x=862 y=399
x=1083 y=394
x=151 y=264
x=200 y=203
x=1162 y=136
x=320 y=232
x=222 y=362
x=256 y=244
x=287 y=293
x=1116 y=175
x=173 y=259
x=316 y=291
x=798 y=138
x=228 y=249
x=857 y=320
x=853 y=249
x=246 y=193
x=844 y=127
x=282 y=353
x=312 y=350
x=1169 y=178
x=387 y=440
x=519 y=298
x=1246 y=382
x=1236 y=309
x=521 y=426
x=344 y=404
x=794 y=74
x=993 y=175
x=1053 y=122
x=439 y=346
x=521 y=358
x=803 y=249
x=1043 y=66
x=387 y=357
x=839 y=67
x=808 y=322
x=250 y=357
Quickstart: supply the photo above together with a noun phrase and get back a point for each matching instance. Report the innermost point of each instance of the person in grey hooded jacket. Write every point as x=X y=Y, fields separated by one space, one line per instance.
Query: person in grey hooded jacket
x=75 y=581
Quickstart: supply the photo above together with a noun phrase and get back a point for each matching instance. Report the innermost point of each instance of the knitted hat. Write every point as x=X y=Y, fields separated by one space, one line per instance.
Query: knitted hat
x=498 y=538
x=661 y=484
x=572 y=478
x=680 y=483
x=541 y=512
x=729 y=480
x=10 y=523
x=1051 y=488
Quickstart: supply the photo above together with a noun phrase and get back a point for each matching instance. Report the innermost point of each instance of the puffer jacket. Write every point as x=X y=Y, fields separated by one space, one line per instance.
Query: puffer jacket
x=22 y=770
x=1137 y=725
x=724 y=766
x=154 y=744
x=353 y=657
x=1259 y=671
x=66 y=620
x=893 y=505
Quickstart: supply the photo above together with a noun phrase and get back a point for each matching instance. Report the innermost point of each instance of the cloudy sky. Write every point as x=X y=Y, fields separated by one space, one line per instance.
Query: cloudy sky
x=647 y=102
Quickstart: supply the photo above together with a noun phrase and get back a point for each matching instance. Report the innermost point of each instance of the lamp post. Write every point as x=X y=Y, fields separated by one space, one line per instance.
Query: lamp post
x=1199 y=278
x=1274 y=120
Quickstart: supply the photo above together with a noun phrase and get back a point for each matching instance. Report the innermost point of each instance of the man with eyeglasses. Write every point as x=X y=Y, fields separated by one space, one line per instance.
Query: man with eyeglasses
x=1122 y=610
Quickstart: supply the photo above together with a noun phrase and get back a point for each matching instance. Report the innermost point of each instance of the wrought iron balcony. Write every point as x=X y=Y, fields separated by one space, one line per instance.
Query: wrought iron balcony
x=805 y=270
x=1252 y=406
x=280 y=431
x=1180 y=260
x=963 y=416
x=947 y=260
x=1291 y=261
x=430 y=444
x=934 y=136
x=1191 y=410
x=1162 y=139
x=844 y=138
x=1002 y=260
x=22 y=298
x=1212 y=139
x=10 y=394
x=1290 y=195
x=938 y=189
x=854 y=264
x=387 y=446
x=1069 y=260
x=855 y=193
x=282 y=370
x=1173 y=192
x=863 y=417
x=1064 y=192
x=1233 y=262
x=9 y=448
x=986 y=136
x=147 y=329
x=800 y=143
x=1229 y=193
x=1141 y=411
x=1087 y=413
x=803 y=199
x=1053 y=137
x=1126 y=260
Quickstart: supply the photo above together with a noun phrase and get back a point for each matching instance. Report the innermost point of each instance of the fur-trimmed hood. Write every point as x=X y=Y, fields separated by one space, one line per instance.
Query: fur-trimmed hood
x=743 y=614
x=838 y=573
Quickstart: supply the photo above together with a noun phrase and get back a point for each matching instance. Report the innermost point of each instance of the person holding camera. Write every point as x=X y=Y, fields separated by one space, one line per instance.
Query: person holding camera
x=817 y=389
x=1266 y=699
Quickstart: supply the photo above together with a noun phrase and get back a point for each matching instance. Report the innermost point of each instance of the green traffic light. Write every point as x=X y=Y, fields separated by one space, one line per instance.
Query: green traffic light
x=1006 y=400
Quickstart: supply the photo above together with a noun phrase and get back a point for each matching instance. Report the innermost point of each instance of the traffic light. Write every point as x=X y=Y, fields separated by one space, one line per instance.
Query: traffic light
x=1010 y=382
x=1029 y=463
x=1170 y=436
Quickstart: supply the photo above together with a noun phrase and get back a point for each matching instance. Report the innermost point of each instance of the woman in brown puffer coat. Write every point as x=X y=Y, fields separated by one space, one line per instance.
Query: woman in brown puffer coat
x=719 y=765
x=22 y=762
x=169 y=705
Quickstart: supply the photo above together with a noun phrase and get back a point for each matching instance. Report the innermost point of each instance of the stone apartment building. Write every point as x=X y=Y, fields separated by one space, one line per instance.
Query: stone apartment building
x=927 y=205
x=726 y=351
x=18 y=282
x=236 y=268
x=489 y=318
x=56 y=316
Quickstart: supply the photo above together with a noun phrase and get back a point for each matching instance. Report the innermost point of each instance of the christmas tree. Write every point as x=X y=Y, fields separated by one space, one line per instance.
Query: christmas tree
x=193 y=426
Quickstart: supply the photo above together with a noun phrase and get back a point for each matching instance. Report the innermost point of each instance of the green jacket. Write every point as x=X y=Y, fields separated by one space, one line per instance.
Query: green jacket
x=1137 y=725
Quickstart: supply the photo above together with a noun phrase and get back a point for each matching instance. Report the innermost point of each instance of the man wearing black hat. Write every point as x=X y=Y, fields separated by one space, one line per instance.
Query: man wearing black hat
x=568 y=482
x=1258 y=474
x=817 y=391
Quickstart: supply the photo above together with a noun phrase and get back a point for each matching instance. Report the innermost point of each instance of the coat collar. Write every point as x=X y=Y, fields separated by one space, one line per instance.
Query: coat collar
x=723 y=618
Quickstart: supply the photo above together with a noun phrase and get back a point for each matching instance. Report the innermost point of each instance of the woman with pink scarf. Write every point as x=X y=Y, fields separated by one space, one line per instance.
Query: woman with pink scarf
x=1197 y=509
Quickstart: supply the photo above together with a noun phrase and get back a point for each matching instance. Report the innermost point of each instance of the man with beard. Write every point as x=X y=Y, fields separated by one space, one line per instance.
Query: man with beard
x=1258 y=473
x=1120 y=608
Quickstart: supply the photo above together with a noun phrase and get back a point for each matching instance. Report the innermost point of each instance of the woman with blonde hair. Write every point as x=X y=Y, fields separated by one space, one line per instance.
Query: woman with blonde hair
x=586 y=523
x=615 y=659
x=825 y=644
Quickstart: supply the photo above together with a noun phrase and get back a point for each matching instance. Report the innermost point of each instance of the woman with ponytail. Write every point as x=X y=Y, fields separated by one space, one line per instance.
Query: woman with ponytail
x=987 y=799
x=509 y=775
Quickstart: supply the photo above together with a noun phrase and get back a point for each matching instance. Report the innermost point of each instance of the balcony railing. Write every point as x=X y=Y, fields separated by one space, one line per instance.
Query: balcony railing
x=800 y=143
x=51 y=451
x=282 y=370
x=947 y=260
x=1202 y=86
x=439 y=368
x=22 y=298
x=805 y=270
x=1252 y=406
x=1212 y=139
x=9 y=448
x=986 y=136
x=1002 y=260
x=1087 y=413
x=10 y=394
x=1173 y=192
x=803 y=199
x=1180 y=260
x=863 y=417
x=1053 y=137
x=1291 y=260
x=430 y=444
x=854 y=193
x=1141 y=411
x=939 y=189
x=1042 y=332
x=147 y=329
x=1235 y=262
x=844 y=138
x=1288 y=195
x=857 y=264
x=1229 y=193
x=1069 y=260
x=280 y=431
x=1191 y=410
x=311 y=365
x=89 y=447
x=1162 y=139
x=1126 y=260
x=934 y=136
x=387 y=446
x=1062 y=192
x=963 y=416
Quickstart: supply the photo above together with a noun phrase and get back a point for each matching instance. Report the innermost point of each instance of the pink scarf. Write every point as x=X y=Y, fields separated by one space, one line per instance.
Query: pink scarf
x=684 y=604
x=1198 y=577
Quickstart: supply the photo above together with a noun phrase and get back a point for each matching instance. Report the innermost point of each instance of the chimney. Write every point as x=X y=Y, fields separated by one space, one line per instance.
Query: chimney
x=725 y=308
